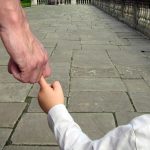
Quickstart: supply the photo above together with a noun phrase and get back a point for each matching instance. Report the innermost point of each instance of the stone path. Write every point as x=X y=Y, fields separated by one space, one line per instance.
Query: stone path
x=103 y=65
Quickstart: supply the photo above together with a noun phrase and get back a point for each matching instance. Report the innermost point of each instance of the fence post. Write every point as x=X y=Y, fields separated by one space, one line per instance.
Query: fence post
x=122 y=8
x=135 y=4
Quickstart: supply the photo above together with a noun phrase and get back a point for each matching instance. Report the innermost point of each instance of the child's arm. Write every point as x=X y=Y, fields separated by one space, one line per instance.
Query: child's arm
x=68 y=134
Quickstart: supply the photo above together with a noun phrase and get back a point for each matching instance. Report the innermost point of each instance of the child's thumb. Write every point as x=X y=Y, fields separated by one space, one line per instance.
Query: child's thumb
x=43 y=83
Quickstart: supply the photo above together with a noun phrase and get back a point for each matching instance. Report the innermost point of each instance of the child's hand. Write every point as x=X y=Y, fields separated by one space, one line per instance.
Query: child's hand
x=49 y=95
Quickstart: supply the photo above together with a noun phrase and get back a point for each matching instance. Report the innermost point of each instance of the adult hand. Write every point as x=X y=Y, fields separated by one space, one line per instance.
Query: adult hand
x=28 y=58
x=50 y=95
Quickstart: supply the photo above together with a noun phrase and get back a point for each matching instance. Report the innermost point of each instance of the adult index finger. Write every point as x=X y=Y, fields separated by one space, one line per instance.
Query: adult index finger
x=43 y=82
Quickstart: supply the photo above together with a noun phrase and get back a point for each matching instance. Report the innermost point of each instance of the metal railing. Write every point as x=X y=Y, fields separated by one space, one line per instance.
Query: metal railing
x=134 y=12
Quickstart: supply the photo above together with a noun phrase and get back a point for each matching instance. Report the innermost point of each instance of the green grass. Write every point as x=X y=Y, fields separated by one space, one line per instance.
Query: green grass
x=26 y=3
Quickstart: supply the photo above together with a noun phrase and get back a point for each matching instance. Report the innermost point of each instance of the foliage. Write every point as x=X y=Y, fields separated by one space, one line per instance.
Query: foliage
x=26 y=3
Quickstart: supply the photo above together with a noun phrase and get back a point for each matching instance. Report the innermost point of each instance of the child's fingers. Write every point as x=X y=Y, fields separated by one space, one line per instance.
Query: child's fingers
x=56 y=85
x=43 y=82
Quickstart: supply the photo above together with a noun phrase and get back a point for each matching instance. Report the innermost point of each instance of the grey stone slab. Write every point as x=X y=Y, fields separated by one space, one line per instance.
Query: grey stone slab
x=94 y=72
x=100 y=47
x=60 y=70
x=33 y=129
x=99 y=102
x=49 y=50
x=145 y=73
x=4 y=58
x=135 y=48
x=128 y=35
x=140 y=42
x=95 y=125
x=34 y=106
x=136 y=85
x=4 y=135
x=61 y=56
x=40 y=35
x=91 y=59
x=141 y=101
x=49 y=43
x=73 y=45
x=124 y=118
x=120 y=42
x=128 y=58
x=9 y=119
x=5 y=76
x=14 y=92
x=14 y=147
x=63 y=36
x=128 y=72
x=95 y=42
x=34 y=91
x=97 y=84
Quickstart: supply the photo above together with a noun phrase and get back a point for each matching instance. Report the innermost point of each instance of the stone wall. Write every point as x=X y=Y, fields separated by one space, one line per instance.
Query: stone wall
x=133 y=12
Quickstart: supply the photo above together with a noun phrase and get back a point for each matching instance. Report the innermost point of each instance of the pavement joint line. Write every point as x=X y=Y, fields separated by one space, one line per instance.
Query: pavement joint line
x=131 y=101
x=40 y=145
x=9 y=142
x=67 y=102
x=115 y=119
x=145 y=81
x=113 y=64
x=89 y=112
x=28 y=101
x=54 y=49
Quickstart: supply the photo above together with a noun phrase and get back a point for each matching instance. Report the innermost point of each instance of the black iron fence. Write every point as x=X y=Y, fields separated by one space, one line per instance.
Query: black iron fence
x=134 y=12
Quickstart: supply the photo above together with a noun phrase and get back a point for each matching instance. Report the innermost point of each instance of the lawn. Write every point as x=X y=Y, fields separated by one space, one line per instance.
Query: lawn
x=26 y=3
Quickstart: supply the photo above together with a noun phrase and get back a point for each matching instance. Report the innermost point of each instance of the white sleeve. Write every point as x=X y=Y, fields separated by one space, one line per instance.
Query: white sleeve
x=70 y=136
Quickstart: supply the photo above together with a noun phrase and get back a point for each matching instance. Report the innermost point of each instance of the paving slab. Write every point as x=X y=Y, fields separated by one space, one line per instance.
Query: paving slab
x=124 y=118
x=141 y=101
x=95 y=125
x=31 y=147
x=61 y=56
x=95 y=42
x=64 y=44
x=135 y=48
x=100 y=47
x=94 y=72
x=127 y=58
x=60 y=70
x=128 y=72
x=4 y=135
x=145 y=73
x=97 y=84
x=6 y=77
x=34 y=106
x=4 y=58
x=99 y=102
x=94 y=59
x=33 y=129
x=14 y=92
x=136 y=85
x=9 y=119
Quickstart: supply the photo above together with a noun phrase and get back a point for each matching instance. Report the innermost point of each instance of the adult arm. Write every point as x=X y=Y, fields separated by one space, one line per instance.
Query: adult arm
x=28 y=58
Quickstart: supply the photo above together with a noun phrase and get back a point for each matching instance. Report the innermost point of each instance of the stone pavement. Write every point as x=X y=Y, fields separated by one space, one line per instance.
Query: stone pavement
x=103 y=65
